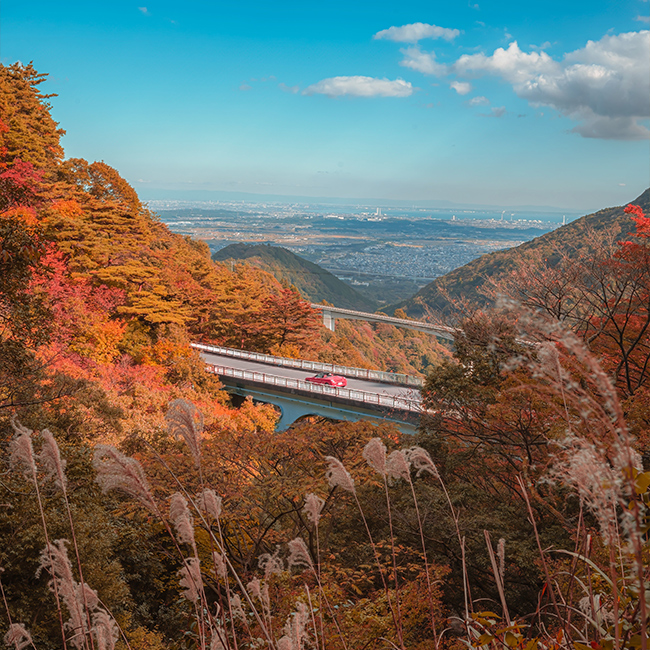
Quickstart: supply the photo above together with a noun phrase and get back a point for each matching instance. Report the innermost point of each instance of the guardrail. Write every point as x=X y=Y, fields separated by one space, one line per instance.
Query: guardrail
x=316 y=366
x=365 y=397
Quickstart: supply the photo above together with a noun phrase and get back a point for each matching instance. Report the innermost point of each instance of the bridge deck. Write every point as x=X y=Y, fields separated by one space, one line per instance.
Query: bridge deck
x=259 y=371
x=310 y=366
x=370 y=399
x=282 y=382
x=330 y=314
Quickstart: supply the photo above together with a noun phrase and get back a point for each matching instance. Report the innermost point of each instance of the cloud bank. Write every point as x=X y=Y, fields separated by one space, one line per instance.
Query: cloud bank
x=358 y=86
x=605 y=86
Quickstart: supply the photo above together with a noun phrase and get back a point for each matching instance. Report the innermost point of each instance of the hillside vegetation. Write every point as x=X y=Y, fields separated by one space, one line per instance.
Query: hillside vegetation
x=467 y=282
x=312 y=281
x=139 y=510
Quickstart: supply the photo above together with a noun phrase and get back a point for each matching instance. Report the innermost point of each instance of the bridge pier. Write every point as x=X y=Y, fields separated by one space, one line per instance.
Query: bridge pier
x=329 y=321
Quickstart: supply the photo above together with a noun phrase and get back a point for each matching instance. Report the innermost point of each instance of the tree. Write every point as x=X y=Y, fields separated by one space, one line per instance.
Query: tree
x=603 y=296
x=289 y=322
x=488 y=420
x=31 y=135
x=482 y=406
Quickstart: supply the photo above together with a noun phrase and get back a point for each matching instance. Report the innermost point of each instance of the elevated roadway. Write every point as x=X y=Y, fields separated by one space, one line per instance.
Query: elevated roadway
x=387 y=397
x=330 y=314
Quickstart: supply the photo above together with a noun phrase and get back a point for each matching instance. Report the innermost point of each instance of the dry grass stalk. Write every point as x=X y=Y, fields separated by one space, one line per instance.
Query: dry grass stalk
x=375 y=454
x=180 y=516
x=18 y=636
x=191 y=580
x=313 y=508
x=498 y=578
x=115 y=471
x=337 y=475
x=185 y=421
x=50 y=459
x=104 y=630
x=22 y=453
x=77 y=597
x=295 y=630
x=299 y=554
x=209 y=503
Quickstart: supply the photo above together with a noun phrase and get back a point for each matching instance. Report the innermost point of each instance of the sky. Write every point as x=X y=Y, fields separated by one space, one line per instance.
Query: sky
x=470 y=101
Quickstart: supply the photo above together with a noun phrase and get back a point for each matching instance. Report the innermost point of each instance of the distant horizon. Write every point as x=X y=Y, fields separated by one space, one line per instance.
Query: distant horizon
x=220 y=197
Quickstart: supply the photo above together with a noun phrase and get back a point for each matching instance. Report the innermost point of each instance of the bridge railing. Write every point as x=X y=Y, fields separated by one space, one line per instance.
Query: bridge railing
x=365 y=397
x=339 y=312
x=315 y=366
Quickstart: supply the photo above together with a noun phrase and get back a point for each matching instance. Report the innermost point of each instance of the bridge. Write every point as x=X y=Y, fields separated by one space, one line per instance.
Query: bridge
x=330 y=314
x=370 y=394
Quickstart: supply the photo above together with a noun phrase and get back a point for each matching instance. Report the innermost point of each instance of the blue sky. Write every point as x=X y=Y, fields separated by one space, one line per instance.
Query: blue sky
x=475 y=101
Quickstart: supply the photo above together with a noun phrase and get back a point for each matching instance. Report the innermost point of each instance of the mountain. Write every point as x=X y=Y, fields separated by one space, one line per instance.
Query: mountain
x=313 y=282
x=466 y=281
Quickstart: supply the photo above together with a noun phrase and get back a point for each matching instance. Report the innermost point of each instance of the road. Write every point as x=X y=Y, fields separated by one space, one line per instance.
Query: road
x=295 y=373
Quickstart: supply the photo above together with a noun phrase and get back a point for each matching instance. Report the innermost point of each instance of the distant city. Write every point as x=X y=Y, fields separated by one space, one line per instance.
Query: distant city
x=385 y=252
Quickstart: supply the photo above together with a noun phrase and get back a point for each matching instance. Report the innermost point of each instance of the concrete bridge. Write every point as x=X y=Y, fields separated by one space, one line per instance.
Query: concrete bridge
x=370 y=394
x=330 y=314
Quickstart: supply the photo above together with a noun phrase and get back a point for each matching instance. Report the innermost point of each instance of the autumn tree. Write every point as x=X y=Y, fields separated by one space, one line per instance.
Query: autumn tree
x=602 y=295
x=23 y=318
x=32 y=136
x=290 y=323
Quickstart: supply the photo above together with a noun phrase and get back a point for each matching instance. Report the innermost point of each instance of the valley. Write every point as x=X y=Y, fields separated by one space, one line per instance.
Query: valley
x=386 y=254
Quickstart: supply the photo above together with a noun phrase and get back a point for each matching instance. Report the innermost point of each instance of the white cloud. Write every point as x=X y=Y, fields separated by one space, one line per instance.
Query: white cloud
x=512 y=64
x=605 y=85
x=461 y=87
x=495 y=111
x=479 y=101
x=643 y=19
x=143 y=10
x=416 y=31
x=358 y=86
x=611 y=128
x=288 y=89
x=424 y=62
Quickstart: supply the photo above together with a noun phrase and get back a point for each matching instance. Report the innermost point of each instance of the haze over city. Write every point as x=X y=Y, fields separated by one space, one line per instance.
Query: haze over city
x=499 y=103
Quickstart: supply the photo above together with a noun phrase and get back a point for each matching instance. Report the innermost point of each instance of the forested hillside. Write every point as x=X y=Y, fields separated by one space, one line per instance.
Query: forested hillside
x=139 y=510
x=312 y=281
x=467 y=282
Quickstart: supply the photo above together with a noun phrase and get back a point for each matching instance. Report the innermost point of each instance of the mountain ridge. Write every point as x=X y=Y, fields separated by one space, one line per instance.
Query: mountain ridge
x=436 y=298
x=312 y=281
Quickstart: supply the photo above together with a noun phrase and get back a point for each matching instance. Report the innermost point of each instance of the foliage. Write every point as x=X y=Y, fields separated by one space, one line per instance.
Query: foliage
x=527 y=439
x=312 y=281
x=603 y=297
x=381 y=346
x=467 y=283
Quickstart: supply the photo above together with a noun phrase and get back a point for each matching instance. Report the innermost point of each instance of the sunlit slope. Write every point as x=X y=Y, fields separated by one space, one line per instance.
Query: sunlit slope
x=465 y=282
x=312 y=281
